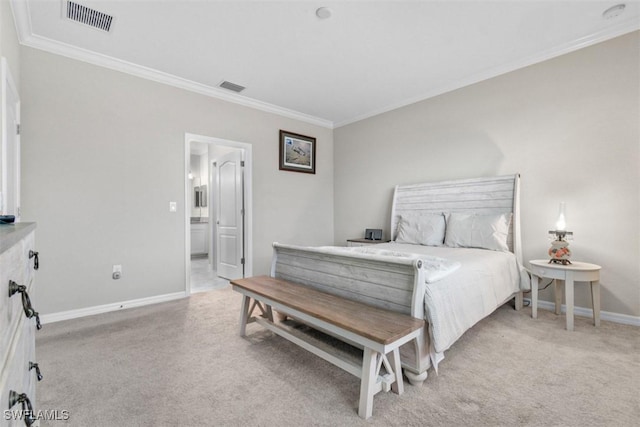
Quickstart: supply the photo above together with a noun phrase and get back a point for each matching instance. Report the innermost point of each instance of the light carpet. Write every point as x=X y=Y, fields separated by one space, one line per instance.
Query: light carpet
x=182 y=363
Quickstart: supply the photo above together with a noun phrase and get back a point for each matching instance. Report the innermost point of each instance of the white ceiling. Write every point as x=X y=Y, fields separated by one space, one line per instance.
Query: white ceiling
x=369 y=57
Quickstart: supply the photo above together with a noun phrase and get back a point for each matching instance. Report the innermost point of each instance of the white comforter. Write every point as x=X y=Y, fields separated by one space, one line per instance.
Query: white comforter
x=462 y=297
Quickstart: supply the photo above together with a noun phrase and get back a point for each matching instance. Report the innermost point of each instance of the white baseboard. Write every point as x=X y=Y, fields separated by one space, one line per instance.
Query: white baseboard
x=98 y=309
x=90 y=311
x=625 y=319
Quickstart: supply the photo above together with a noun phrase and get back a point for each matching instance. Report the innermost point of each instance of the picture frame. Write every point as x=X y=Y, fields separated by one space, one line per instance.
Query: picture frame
x=297 y=152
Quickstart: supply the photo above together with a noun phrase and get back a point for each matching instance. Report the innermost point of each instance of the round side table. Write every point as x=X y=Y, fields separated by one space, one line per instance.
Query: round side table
x=574 y=272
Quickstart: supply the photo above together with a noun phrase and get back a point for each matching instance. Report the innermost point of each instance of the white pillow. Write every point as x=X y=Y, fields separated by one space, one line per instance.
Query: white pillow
x=426 y=229
x=478 y=231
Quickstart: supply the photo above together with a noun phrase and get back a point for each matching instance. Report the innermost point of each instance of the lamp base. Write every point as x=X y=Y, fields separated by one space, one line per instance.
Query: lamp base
x=559 y=252
x=559 y=261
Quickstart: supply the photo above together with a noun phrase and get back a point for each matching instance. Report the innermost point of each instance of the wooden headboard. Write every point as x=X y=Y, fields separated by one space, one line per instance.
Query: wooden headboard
x=498 y=194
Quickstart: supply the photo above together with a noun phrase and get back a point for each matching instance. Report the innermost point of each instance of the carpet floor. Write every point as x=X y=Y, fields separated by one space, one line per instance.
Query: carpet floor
x=183 y=363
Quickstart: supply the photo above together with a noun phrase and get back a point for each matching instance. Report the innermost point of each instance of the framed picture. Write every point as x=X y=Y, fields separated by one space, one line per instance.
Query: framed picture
x=297 y=152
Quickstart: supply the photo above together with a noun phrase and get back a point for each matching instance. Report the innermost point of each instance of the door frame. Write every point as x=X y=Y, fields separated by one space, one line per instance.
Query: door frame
x=8 y=84
x=248 y=200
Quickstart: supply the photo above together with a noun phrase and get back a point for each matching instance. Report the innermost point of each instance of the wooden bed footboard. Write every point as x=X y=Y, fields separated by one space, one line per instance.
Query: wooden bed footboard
x=392 y=283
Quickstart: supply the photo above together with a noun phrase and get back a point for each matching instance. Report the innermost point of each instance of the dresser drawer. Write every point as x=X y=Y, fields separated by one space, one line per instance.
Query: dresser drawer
x=17 y=375
x=11 y=270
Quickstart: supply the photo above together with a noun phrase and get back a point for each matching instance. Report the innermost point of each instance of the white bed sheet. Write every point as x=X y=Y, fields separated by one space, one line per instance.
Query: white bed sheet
x=458 y=301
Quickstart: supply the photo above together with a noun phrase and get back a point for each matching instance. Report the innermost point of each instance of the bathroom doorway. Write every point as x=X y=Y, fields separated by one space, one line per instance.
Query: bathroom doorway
x=218 y=212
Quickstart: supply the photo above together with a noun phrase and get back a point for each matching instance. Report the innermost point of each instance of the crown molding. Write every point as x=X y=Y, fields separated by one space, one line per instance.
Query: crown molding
x=22 y=18
x=27 y=38
x=147 y=73
x=622 y=28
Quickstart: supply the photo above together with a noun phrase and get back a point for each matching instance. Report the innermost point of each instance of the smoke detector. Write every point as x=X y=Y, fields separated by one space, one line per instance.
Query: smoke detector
x=324 y=12
x=85 y=15
x=614 y=11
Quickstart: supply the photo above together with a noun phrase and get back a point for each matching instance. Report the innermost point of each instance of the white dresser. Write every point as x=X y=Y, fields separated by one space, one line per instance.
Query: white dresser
x=18 y=323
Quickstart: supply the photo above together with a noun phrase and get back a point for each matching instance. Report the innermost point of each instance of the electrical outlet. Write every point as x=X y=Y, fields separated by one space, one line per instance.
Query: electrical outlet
x=173 y=206
x=117 y=272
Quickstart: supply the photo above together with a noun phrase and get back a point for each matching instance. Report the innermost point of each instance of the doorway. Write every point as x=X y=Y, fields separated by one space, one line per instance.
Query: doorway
x=218 y=214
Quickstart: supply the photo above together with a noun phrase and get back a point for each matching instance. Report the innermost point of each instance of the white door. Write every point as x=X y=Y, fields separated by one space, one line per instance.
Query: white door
x=10 y=177
x=229 y=218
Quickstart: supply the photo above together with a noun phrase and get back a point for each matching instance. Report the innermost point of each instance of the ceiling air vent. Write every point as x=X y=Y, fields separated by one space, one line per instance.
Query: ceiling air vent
x=93 y=18
x=231 y=86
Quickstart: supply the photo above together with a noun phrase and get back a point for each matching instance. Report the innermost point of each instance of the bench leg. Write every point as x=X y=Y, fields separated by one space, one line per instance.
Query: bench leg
x=398 y=385
x=265 y=309
x=244 y=314
x=269 y=313
x=367 y=383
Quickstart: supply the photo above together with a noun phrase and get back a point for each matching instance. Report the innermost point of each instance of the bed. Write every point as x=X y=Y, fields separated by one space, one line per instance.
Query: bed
x=454 y=257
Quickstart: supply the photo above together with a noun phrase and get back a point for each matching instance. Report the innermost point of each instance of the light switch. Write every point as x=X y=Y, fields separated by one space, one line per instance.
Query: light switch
x=173 y=206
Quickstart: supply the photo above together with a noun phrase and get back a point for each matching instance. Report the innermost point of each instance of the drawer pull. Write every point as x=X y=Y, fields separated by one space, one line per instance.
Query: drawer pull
x=27 y=409
x=14 y=288
x=36 y=262
x=37 y=368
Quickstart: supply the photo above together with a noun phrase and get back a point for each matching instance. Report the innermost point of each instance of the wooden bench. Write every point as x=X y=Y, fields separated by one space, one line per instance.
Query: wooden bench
x=378 y=332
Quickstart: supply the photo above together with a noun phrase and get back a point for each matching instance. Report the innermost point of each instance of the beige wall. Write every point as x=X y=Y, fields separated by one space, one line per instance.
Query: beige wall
x=103 y=154
x=9 y=47
x=569 y=126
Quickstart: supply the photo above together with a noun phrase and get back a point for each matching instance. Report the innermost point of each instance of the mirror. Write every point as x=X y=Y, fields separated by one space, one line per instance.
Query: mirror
x=200 y=196
x=199 y=181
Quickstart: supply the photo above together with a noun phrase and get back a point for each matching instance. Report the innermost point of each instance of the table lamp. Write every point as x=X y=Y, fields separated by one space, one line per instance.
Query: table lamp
x=559 y=250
